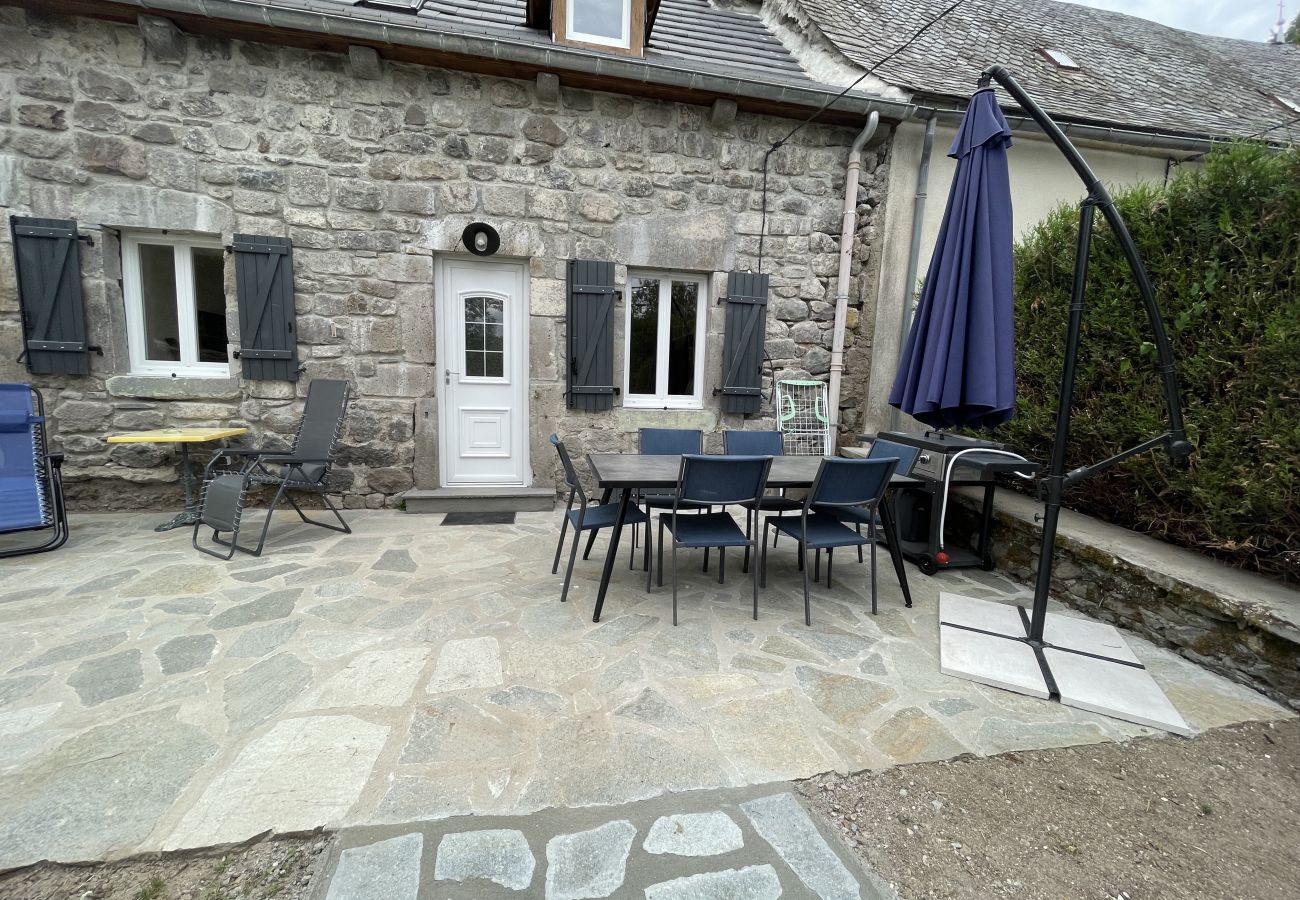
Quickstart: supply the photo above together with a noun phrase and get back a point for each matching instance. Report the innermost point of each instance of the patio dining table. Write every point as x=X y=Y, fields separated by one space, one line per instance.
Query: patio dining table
x=628 y=472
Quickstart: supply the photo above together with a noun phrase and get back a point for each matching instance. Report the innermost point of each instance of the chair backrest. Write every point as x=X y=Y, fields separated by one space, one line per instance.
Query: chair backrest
x=24 y=503
x=753 y=443
x=850 y=482
x=671 y=441
x=321 y=425
x=720 y=480
x=883 y=449
x=570 y=475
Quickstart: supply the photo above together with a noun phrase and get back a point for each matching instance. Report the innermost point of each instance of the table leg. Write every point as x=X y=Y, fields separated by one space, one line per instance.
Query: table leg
x=191 y=513
x=892 y=542
x=614 y=534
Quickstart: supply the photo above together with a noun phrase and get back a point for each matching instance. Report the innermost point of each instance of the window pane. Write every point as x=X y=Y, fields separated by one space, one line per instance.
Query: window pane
x=158 y=286
x=485 y=334
x=474 y=364
x=496 y=364
x=681 y=337
x=210 y=302
x=643 y=335
x=600 y=18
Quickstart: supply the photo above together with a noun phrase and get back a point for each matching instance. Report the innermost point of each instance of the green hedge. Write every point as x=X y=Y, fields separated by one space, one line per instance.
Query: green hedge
x=1222 y=245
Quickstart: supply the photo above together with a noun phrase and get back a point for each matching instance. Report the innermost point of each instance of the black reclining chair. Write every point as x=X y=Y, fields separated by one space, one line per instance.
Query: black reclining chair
x=307 y=466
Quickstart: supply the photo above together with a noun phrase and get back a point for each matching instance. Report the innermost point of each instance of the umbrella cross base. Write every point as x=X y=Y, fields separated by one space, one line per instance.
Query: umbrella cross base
x=1081 y=663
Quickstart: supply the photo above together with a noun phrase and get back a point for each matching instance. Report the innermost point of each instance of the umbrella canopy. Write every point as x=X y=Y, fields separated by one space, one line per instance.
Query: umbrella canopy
x=958 y=366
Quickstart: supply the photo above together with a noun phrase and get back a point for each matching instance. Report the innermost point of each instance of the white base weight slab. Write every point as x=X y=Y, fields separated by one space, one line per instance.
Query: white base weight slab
x=997 y=655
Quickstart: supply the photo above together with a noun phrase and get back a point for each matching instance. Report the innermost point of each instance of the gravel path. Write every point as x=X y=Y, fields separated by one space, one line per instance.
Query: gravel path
x=1215 y=816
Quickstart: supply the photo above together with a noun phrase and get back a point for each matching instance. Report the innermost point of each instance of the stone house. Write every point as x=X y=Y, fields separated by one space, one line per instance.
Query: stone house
x=357 y=141
x=622 y=151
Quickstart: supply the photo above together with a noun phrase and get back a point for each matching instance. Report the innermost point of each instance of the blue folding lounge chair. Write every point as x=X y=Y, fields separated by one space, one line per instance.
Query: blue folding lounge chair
x=31 y=484
x=709 y=481
x=840 y=484
x=306 y=466
x=589 y=516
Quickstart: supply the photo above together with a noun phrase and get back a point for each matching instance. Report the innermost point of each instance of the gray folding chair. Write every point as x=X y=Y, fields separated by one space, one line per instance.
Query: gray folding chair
x=306 y=466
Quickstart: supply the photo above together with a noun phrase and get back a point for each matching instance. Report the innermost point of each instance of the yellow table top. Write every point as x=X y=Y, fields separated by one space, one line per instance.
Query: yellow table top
x=175 y=435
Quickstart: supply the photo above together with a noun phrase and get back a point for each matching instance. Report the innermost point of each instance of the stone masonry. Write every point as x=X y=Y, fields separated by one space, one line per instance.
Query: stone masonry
x=370 y=177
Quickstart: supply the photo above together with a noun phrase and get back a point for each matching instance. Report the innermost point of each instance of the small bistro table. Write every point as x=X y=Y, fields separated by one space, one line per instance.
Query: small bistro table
x=184 y=437
x=627 y=472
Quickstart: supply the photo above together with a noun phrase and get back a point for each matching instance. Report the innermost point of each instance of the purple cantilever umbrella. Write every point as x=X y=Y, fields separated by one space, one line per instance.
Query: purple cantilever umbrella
x=958 y=365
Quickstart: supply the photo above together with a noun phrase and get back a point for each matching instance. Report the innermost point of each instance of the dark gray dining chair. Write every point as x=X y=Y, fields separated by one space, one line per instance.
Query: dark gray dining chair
x=760 y=443
x=709 y=481
x=589 y=516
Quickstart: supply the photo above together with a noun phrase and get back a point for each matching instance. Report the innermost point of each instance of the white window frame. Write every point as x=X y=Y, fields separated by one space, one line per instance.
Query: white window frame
x=660 y=399
x=624 y=42
x=186 y=309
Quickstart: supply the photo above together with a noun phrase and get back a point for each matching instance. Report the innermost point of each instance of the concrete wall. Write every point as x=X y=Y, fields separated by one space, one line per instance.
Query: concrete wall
x=1041 y=180
x=372 y=168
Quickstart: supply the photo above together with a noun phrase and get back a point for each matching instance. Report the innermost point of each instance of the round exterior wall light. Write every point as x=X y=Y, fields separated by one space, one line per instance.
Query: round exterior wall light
x=481 y=239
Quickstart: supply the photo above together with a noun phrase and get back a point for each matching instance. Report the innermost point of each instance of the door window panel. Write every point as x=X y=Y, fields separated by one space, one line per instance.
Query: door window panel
x=485 y=355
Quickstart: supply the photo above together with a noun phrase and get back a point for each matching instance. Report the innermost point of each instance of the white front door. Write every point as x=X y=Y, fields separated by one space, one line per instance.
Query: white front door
x=482 y=315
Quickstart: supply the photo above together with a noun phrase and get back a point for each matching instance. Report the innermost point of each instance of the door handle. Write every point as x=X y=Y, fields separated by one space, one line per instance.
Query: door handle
x=446 y=375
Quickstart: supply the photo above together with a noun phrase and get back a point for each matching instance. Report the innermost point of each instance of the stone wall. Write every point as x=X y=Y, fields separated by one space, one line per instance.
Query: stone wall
x=1234 y=623
x=371 y=168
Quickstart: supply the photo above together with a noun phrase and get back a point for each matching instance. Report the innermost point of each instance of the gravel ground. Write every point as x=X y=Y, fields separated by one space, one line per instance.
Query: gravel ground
x=1215 y=816
x=282 y=868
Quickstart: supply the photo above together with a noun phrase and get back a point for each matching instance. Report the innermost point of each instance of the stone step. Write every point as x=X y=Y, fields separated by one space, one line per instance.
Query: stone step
x=479 y=499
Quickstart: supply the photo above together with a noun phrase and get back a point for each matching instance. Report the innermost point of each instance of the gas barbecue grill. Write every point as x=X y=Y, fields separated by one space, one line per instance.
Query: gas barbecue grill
x=946 y=461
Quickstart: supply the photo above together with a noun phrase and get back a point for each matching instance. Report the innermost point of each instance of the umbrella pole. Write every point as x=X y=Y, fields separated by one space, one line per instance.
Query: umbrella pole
x=1054 y=483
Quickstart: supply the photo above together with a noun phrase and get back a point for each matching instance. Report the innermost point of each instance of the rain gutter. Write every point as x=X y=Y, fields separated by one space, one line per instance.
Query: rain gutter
x=847 y=233
x=377 y=28
x=914 y=249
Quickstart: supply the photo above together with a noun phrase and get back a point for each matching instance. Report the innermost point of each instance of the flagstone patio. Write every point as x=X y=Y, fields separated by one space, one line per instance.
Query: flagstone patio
x=152 y=698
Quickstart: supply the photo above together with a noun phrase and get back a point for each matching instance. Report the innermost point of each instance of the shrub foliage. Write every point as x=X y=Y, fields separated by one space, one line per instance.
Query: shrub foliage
x=1222 y=246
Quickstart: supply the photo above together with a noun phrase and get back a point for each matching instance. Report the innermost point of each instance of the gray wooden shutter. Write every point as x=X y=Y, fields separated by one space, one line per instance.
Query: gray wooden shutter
x=47 y=260
x=590 y=334
x=268 y=340
x=742 y=348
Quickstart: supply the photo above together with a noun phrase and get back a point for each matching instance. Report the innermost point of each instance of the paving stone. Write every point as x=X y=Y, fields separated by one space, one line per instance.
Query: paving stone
x=652 y=708
x=21 y=721
x=181 y=654
x=689 y=646
x=184 y=606
x=104 y=582
x=105 y=789
x=621 y=629
x=780 y=645
x=15 y=689
x=627 y=670
x=373 y=678
x=873 y=665
x=99 y=680
x=258 y=574
x=694 y=834
x=257 y=642
x=183 y=578
x=767 y=738
x=385 y=870
x=588 y=863
x=264 y=689
x=834 y=642
x=395 y=561
x=749 y=883
x=498 y=855
x=753 y=663
x=847 y=700
x=710 y=687
x=952 y=706
x=529 y=701
x=314 y=768
x=275 y=605
x=782 y=822
x=345 y=611
x=741 y=636
x=400 y=616
x=912 y=736
x=449 y=730
x=467 y=663
x=75 y=650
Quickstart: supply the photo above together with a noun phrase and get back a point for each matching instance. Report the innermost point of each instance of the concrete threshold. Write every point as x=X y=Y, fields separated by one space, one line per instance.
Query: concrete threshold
x=486 y=498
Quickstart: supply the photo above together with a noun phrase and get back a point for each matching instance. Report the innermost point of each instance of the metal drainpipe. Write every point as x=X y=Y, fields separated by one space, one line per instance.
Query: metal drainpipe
x=847 y=230
x=914 y=252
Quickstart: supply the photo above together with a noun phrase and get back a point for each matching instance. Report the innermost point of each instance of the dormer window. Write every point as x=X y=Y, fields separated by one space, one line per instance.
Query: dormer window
x=617 y=25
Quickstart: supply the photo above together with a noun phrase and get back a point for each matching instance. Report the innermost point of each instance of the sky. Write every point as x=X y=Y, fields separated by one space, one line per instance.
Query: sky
x=1249 y=19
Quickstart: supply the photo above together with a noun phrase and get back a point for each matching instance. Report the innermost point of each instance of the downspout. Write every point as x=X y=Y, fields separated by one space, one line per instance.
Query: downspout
x=914 y=252
x=847 y=232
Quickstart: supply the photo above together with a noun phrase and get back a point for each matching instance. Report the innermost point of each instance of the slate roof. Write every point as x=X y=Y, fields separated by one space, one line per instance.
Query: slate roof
x=1135 y=73
x=690 y=34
